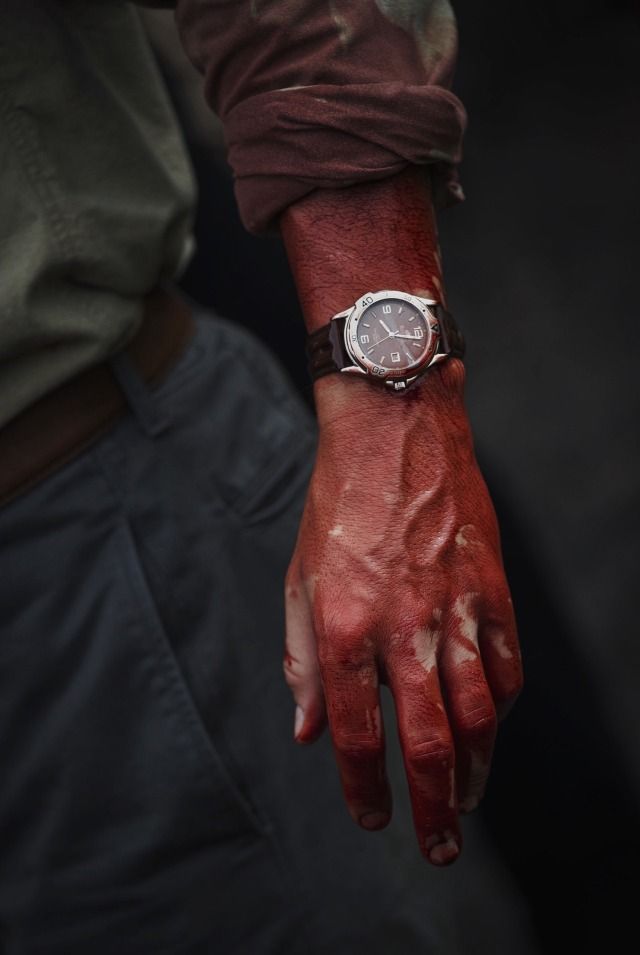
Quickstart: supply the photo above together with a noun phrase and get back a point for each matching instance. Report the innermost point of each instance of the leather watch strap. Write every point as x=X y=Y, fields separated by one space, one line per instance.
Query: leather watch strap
x=326 y=350
x=451 y=339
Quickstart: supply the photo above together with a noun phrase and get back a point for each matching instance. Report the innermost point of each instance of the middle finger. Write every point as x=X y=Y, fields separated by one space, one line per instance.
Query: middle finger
x=427 y=747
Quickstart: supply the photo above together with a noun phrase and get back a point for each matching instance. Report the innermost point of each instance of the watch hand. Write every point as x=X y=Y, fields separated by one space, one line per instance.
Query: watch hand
x=375 y=345
x=412 y=338
x=390 y=334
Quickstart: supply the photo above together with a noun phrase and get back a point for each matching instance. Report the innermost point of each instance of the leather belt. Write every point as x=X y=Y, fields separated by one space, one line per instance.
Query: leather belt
x=62 y=423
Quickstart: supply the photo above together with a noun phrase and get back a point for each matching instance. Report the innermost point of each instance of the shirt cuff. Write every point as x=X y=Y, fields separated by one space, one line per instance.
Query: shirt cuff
x=283 y=144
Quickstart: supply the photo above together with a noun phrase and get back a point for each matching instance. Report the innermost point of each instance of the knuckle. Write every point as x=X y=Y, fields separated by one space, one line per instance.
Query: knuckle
x=356 y=748
x=344 y=644
x=429 y=754
x=344 y=630
x=478 y=721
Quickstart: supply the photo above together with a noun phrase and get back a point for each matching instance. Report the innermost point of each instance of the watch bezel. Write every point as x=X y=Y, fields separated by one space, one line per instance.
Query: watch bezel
x=356 y=353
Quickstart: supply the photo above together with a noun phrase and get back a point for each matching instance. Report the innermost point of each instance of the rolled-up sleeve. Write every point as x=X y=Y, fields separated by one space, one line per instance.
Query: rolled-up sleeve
x=326 y=93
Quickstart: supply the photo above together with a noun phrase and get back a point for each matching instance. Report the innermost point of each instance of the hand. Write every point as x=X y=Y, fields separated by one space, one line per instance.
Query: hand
x=397 y=578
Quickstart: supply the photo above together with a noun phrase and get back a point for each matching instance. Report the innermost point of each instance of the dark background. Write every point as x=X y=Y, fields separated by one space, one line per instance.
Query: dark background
x=541 y=264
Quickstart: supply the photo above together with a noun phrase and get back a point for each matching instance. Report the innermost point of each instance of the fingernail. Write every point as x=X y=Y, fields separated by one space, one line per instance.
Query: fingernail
x=299 y=721
x=374 y=820
x=444 y=852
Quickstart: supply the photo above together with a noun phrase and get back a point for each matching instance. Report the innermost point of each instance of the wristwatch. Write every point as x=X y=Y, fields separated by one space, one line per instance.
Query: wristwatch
x=390 y=337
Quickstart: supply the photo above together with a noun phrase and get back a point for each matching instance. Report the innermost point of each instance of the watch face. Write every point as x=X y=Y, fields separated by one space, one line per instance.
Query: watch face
x=393 y=335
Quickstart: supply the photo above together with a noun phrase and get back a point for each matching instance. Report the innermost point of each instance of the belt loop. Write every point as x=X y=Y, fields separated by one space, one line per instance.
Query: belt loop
x=151 y=418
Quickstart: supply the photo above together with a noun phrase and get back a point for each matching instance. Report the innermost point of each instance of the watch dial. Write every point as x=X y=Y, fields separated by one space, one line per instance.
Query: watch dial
x=393 y=334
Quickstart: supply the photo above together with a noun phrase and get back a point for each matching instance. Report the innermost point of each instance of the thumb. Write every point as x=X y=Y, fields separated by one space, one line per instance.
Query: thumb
x=301 y=670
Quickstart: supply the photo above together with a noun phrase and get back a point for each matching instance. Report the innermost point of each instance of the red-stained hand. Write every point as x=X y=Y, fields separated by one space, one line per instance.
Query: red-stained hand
x=397 y=578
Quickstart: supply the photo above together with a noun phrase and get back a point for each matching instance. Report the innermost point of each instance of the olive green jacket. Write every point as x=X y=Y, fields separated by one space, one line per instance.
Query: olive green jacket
x=96 y=190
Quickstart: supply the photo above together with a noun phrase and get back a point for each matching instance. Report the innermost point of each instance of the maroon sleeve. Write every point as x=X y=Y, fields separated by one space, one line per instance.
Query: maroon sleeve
x=326 y=93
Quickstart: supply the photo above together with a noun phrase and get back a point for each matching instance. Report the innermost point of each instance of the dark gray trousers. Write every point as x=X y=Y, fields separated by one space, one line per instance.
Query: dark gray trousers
x=152 y=800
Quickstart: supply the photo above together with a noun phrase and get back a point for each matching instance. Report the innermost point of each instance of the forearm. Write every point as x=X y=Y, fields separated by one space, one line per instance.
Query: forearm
x=375 y=235
x=342 y=243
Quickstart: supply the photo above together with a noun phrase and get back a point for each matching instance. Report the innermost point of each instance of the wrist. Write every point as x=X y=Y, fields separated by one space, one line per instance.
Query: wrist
x=345 y=401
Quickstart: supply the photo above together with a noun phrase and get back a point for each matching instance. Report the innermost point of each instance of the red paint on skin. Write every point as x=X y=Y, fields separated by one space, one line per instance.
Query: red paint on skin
x=370 y=236
x=398 y=476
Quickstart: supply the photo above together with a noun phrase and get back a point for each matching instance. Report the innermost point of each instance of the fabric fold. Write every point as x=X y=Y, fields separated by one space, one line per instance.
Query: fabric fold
x=283 y=144
x=326 y=93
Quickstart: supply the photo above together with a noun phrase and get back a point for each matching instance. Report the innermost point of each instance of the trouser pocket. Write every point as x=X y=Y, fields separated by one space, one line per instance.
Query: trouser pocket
x=197 y=748
x=121 y=827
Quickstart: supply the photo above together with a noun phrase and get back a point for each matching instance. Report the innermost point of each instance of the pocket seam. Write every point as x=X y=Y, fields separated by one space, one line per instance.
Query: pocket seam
x=177 y=696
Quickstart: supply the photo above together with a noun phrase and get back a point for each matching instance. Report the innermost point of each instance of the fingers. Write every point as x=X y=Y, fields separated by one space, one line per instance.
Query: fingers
x=428 y=747
x=301 y=669
x=500 y=651
x=350 y=680
x=470 y=705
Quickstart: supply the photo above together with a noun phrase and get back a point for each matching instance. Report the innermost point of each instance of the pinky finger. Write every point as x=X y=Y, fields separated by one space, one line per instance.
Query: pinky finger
x=502 y=661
